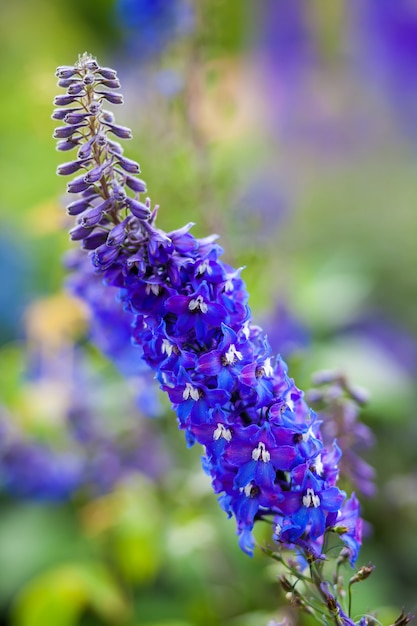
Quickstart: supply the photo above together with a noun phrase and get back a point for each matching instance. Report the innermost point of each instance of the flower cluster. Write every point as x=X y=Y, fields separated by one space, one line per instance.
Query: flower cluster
x=263 y=446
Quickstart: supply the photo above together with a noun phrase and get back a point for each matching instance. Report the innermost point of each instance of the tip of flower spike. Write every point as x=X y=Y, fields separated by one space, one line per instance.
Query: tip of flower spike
x=87 y=61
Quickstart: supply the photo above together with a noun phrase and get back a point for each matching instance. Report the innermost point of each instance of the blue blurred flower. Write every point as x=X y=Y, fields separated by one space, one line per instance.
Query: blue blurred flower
x=150 y=25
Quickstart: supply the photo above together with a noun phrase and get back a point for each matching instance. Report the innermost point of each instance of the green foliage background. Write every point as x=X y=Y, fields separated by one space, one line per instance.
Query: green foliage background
x=163 y=553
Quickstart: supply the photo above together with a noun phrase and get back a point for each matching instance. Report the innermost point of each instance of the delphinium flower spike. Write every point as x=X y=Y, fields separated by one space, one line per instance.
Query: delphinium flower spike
x=263 y=447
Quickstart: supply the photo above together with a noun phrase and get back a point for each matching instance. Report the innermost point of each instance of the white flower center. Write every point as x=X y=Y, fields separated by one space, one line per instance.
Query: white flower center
x=167 y=347
x=267 y=367
x=261 y=453
x=248 y=489
x=232 y=355
x=277 y=530
x=152 y=288
x=190 y=392
x=311 y=499
x=198 y=304
x=306 y=436
x=221 y=431
x=204 y=267
x=318 y=465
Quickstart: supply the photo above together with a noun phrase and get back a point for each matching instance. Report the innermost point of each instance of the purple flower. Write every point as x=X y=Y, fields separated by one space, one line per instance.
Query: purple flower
x=349 y=521
x=310 y=506
x=190 y=319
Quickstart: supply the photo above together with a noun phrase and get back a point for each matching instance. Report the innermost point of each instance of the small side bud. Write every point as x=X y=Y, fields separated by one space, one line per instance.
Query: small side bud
x=362 y=574
x=403 y=619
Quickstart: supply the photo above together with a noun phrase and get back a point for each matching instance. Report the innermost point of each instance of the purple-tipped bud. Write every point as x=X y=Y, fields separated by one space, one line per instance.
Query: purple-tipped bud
x=89 y=79
x=114 y=98
x=101 y=139
x=66 y=71
x=107 y=72
x=128 y=164
x=136 y=184
x=63 y=100
x=117 y=234
x=95 y=107
x=69 y=168
x=79 y=232
x=61 y=114
x=111 y=84
x=75 y=118
x=85 y=151
x=67 y=82
x=77 y=207
x=94 y=215
x=95 y=174
x=95 y=240
x=66 y=131
x=104 y=256
x=139 y=210
x=107 y=117
x=77 y=185
x=67 y=144
x=120 y=131
x=119 y=193
x=92 y=65
x=114 y=147
x=77 y=89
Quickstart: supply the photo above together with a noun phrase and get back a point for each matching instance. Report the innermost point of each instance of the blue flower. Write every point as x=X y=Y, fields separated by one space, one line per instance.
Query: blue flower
x=192 y=323
x=308 y=508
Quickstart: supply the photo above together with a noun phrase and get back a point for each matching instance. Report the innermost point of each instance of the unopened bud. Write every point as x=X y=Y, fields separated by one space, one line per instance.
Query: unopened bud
x=362 y=574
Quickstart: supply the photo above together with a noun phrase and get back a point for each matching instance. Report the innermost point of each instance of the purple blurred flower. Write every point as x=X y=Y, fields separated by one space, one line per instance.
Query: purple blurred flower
x=384 y=35
x=29 y=469
x=338 y=404
x=286 y=333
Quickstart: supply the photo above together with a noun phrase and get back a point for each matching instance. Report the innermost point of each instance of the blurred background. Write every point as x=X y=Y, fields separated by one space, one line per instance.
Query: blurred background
x=289 y=127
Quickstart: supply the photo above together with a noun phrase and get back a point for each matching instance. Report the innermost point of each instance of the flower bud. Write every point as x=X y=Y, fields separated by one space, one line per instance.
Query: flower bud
x=120 y=131
x=139 y=210
x=77 y=207
x=89 y=79
x=128 y=165
x=69 y=168
x=67 y=144
x=117 y=234
x=111 y=84
x=77 y=185
x=95 y=240
x=79 y=232
x=94 y=215
x=91 y=65
x=77 y=89
x=362 y=574
x=75 y=118
x=66 y=71
x=136 y=184
x=104 y=256
x=60 y=114
x=114 y=98
x=63 y=100
x=107 y=72
x=96 y=173
x=66 y=131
